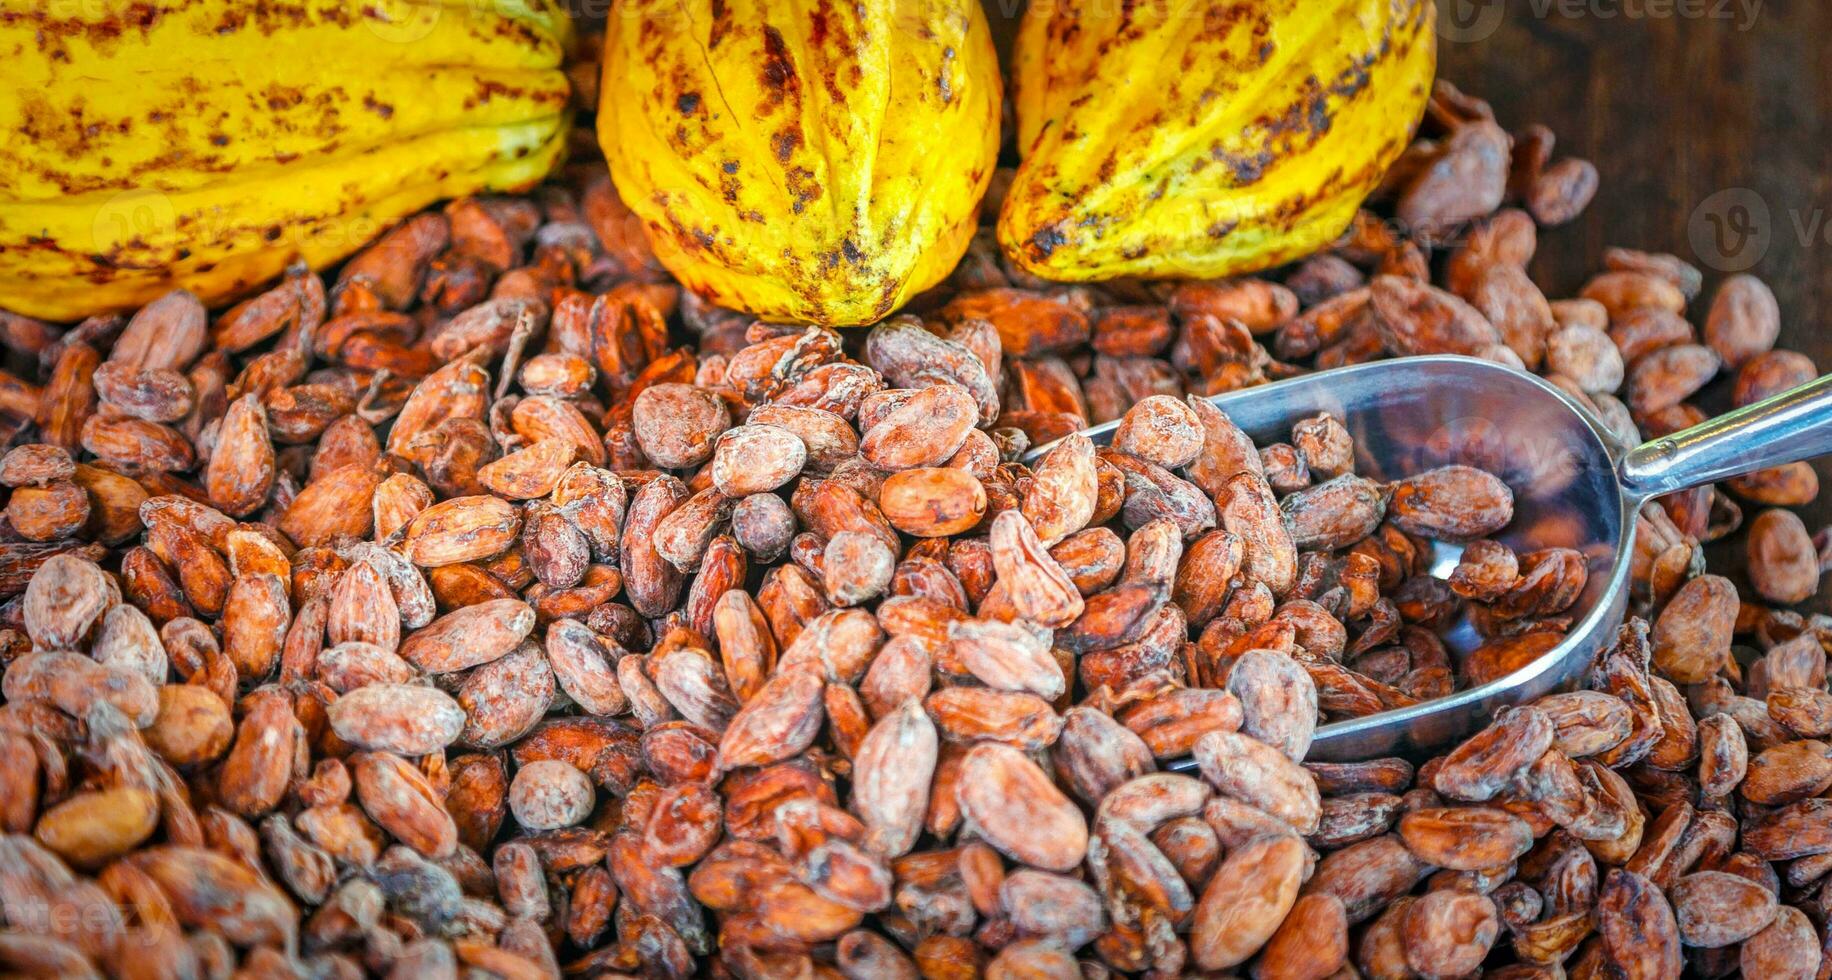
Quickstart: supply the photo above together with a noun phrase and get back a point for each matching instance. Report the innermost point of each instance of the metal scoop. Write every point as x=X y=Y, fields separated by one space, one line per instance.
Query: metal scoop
x=1575 y=486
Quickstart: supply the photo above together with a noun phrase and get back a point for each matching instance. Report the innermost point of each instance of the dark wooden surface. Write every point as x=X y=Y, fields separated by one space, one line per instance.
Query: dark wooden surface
x=1707 y=117
x=1674 y=110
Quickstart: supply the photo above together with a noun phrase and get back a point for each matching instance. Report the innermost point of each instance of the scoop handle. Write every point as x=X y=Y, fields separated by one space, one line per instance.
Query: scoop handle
x=1794 y=425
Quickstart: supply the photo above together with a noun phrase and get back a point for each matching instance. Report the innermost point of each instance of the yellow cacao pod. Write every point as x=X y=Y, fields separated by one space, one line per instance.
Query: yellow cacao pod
x=207 y=144
x=1207 y=138
x=802 y=161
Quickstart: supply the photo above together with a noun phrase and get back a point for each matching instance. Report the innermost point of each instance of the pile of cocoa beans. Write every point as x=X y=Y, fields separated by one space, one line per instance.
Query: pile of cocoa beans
x=496 y=607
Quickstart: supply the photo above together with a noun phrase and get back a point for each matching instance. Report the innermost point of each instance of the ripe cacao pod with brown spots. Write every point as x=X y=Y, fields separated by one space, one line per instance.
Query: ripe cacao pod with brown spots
x=1207 y=138
x=802 y=160
x=207 y=145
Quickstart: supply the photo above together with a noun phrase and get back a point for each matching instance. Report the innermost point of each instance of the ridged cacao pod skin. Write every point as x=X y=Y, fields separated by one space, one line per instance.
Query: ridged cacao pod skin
x=802 y=161
x=1208 y=138
x=205 y=144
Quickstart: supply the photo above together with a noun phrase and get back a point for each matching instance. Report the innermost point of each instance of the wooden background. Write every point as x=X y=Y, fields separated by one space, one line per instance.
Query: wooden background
x=1710 y=122
x=1711 y=126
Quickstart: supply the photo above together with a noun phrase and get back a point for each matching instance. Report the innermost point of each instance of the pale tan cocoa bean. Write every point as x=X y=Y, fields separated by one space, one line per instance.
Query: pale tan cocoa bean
x=1018 y=810
x=1245 y=900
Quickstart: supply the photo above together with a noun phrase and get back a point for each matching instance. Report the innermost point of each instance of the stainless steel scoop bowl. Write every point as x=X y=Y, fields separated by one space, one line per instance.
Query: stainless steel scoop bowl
x=1575 y=485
